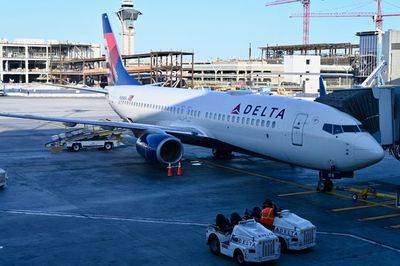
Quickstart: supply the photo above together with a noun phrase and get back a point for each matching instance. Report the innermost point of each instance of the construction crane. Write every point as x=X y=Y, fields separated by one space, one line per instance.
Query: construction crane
x=306 y=16
x=377 y=17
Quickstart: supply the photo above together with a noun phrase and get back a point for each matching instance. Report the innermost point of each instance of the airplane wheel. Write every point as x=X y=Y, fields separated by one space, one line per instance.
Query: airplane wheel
x=221 y=154
x=76 y=147
x=239 y=257
x=108 y=146
x=354 y=197
x=214 y=245
x=327 y=185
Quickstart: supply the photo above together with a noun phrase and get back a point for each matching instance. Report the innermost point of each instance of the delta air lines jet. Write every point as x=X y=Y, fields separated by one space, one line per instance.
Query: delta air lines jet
x=298 y=132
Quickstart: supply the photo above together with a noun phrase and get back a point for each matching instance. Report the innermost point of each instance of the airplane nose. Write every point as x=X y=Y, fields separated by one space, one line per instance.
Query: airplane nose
x=367 y=151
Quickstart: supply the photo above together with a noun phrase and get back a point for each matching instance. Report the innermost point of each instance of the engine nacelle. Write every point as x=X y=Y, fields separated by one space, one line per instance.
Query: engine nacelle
x=156 y=147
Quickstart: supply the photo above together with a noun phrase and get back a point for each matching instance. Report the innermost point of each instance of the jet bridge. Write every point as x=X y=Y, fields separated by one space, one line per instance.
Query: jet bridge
x=378 y=108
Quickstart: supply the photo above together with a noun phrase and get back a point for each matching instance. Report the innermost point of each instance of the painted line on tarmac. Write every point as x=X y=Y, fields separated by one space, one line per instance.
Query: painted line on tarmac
x=171 y=222
x=380 y=217
x=103 y=217
x=282 y=181
x=354 y=208
x=297 y=193
x=361 y=239
x=396 y=226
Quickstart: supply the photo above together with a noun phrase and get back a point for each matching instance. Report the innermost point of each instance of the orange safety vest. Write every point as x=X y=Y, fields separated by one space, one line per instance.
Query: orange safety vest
x=267 y=216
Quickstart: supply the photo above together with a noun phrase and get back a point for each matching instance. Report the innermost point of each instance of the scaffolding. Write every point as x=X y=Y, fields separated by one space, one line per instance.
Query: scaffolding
x=166 y=68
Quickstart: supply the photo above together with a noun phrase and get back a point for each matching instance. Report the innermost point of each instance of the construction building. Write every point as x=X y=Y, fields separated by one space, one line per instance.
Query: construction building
x=29 y=60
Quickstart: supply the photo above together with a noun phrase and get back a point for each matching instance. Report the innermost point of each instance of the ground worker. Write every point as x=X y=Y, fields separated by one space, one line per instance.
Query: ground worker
x=268 y=215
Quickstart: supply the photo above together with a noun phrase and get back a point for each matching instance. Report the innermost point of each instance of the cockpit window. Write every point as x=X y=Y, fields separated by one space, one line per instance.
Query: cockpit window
x=362 y=128
x=351 y=128
x=327 y=128
x=337 y=129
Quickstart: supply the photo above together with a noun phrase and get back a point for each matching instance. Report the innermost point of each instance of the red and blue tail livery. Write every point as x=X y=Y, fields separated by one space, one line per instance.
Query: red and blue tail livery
x=117 y=73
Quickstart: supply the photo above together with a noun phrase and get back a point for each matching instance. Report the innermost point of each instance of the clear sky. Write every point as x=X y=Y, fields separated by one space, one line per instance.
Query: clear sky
x=211 y=28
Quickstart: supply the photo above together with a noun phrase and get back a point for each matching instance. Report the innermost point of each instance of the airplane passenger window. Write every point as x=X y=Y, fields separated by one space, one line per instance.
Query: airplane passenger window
x=228 y=118
x=215 y=116
x=191 y=112
x=352 y=128
x=262 y=123
x=337 y=129
x=268 y=123
x=238 y=120
x=219 y=116
x=252 y=122
x=248 y=121
x=243 y=120
x=223 y=117
x=258 y=122
x=273 y=124
x=198 y=113
x=327 y=128
x=206 y=114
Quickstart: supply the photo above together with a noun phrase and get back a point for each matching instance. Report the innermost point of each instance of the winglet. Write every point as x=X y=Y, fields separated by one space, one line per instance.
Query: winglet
x=117 y=73
x=322 y=89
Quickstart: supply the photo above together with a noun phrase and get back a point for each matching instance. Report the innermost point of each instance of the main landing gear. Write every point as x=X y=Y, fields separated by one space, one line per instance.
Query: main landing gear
x=325 y=183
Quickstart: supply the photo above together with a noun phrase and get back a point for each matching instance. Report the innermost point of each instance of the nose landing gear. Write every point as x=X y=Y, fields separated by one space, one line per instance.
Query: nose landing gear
x=325 y=183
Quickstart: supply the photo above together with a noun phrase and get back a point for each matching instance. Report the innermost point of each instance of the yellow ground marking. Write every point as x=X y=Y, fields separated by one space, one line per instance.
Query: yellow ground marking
x=381 y=217
x=354 y=208
x=297 y=193
x=308 y=188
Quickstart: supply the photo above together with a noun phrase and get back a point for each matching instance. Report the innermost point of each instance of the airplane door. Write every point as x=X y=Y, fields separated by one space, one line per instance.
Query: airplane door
x=297 y=132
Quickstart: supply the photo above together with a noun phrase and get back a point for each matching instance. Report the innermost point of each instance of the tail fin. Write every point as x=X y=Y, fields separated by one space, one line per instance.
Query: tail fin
x=322 y=90
x=117 y=73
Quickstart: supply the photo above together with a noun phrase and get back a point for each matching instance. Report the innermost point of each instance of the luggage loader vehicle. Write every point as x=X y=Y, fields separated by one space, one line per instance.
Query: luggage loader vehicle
x=76 y=139
x=248 y=241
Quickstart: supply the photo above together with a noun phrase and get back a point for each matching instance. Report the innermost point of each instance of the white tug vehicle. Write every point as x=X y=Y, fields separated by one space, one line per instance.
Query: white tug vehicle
x=245 y=241
x=294 y=232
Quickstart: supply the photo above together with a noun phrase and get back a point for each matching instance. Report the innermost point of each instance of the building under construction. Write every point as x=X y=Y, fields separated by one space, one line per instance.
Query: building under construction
x=167 y=68
x=28 y=60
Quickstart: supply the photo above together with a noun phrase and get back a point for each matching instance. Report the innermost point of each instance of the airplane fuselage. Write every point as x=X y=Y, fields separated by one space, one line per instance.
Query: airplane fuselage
x=282 y=128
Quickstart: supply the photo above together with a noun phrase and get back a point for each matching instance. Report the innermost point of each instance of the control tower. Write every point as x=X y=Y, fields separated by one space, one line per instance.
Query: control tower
x=127 y=16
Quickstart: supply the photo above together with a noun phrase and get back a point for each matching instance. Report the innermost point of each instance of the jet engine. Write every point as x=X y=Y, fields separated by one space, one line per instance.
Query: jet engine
x=158 y=147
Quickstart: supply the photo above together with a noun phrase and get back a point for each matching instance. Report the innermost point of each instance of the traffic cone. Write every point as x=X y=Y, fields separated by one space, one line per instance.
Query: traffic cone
x=169 y=170
x=179 y=172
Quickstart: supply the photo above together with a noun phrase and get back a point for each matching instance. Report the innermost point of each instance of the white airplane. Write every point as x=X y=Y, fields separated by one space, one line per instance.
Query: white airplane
x=298 y=132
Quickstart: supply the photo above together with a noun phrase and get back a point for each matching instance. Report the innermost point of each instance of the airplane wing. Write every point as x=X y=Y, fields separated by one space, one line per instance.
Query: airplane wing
x=81 y=88
x=71 y=122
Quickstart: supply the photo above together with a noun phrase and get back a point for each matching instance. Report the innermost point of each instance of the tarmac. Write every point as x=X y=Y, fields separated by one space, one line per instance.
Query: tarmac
x=112 y=208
